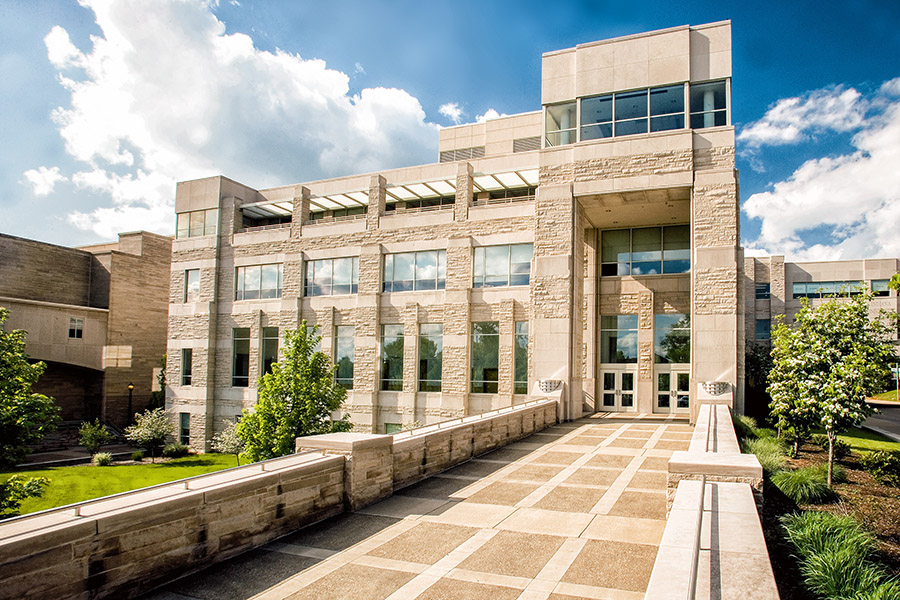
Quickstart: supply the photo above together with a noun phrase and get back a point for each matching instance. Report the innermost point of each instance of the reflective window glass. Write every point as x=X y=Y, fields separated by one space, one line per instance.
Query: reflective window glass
x=708 y=104
x=344 y=336
x=430 y=356
x=560 y=122
x=672 y=338
x=392 y=357
x=332 y=276
x=520 y=368
x=618 y=338
x=485 y=357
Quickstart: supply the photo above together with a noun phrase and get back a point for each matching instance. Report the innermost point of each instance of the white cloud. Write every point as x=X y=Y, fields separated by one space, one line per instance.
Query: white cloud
x=489 y=115
x=852 y=199
x=452 y=111
x=358 y=68
x=165 y=95
x=43 y=180
x=792 y=120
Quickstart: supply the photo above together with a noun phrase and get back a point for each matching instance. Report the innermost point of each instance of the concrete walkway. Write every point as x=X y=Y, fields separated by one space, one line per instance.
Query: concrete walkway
x=575 y=511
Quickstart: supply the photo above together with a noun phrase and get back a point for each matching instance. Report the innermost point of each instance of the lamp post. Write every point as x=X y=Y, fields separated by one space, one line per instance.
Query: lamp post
x=130 y=393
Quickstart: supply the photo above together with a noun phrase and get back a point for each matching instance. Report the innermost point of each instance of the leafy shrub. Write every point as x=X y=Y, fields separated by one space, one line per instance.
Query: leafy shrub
x=102 y=459
x=765 y=432
x=744 y=426
x=150 y=430
x=93 y=436
x=769 y=451
x=841 y=572
x=137 y=455
x=812 y=532
x=884 y=466
x=175 y=450
x=886 y=590
x=804 y=486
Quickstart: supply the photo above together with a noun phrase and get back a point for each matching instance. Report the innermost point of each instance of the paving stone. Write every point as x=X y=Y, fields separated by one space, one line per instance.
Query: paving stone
x=571 y=499
x=556 y=458
x=506 y=454
x=356 y=581
x=609 y=460
x=514 y=553
x=454 y=589
x=672 y=445
x=609 y=564
x=502 y=492
x=534 y=473
x=648 y=480
x=643 y=505
x=476 y=468
x=598 y=477
x=622 y=442
x=440 y=488
x=655 y=463
x=426 y=543
x=341 y=532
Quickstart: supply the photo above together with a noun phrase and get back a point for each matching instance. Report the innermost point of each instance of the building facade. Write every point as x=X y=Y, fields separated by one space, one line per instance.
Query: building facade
x=96 y=315
x=591 y=246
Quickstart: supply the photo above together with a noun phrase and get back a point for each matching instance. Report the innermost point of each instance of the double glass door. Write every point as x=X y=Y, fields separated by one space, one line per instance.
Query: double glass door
x=673 y=389
x=617 y=393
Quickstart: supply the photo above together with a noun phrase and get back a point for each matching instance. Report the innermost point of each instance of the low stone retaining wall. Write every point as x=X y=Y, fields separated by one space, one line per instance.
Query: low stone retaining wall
x=123 y=545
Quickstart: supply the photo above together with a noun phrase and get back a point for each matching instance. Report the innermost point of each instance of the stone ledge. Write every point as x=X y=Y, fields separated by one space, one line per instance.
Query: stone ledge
x=715 y=464
x=344 y=442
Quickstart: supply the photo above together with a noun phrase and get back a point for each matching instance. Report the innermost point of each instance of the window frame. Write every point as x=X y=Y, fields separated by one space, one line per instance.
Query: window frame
x=520 y=357
x=763 y=291
x=187 y=366
x=765 y=331
x=480 y=272
x=663 y=359
x=311 y=268
x=484 y=385
x=344 y=381
x=240 y=380
x=388 y=362
x=625 y=324
x=205 y=223
x=417 y=284
x=184 y=428
x=76 y=328
x=671 y=260
x=269 y=336
x=244 y=293
x=426 y=365
x=189 y=295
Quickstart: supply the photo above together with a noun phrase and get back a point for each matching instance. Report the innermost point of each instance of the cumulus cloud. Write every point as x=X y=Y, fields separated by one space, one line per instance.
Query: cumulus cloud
x=853 y=200
x=792 y=120
x=489 y=115
x=165 y=94
x=452 y=111
x=43 y=180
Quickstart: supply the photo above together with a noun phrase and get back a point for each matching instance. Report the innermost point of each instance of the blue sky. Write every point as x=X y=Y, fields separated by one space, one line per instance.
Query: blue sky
x=106 y=103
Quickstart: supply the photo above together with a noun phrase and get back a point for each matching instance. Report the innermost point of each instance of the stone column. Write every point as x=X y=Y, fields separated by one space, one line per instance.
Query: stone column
x=644 y=383
x=377 y=196
x=455 y=377
x=464 y=189
x=406 y=399
x=366 y=317
x=300 y=210
x=591 y=307
x=507 y=353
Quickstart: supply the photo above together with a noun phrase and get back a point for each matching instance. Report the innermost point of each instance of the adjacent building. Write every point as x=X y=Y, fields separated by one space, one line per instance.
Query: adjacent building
x=96 y=315
x=589 y=248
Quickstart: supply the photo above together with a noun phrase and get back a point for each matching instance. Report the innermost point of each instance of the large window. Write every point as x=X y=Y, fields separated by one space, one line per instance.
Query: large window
x=269 y=348
x=560 y=124
x=392 y=357
x=485 y=357
x=191 y=285
x=408 y=271
x=76 y=328
x=258 y=281
x=502 y=265
x=672 y=338
x=343 y=355
x=184 y=428
x=332 y=276
x=618 y=339
x=825 y=289
x=240 y=365
x=431 y=346
x=708 y=105
x=520 y=378
x=880 y=287
x=196 y=223
x=646 y=251
x=763 y=329
x=187 y=365
x=763 y=291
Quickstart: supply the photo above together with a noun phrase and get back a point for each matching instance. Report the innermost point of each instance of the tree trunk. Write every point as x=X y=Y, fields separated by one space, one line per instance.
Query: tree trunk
x=831 y=437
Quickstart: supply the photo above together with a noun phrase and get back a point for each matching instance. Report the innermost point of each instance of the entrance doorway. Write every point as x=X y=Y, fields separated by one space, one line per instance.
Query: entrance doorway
x=673 y=389
x=617 y=390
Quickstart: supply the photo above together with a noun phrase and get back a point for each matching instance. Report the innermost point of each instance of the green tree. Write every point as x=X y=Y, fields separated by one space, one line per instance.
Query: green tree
x=296 y=398
x=158 y=398
x=150 y=430
x=93 y=436
x=894 y=283
x=827 y=364
x=18 y=488
x=228 y=441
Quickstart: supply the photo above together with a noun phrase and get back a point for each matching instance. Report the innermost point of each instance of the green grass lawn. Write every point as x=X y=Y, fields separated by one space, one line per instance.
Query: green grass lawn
x=867 y=441
x=83 y=482
x=888 y=396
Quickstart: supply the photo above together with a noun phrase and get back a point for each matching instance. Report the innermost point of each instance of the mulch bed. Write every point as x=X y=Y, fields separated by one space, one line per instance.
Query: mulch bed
x=864 y=498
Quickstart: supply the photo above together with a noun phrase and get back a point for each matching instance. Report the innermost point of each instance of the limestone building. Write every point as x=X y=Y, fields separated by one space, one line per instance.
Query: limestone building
x=96 y=315
x=591 y=245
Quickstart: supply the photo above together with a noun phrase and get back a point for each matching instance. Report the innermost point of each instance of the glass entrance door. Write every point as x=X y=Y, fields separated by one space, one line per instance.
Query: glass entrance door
x=617 y=390
x=673 y=389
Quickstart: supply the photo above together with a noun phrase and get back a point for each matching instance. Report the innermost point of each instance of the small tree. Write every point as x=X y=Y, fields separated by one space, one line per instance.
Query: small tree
x=836 y=356
x=297 y=398
x=228 y=441
x=151 y=429
x=93 y=436
x=18 y=488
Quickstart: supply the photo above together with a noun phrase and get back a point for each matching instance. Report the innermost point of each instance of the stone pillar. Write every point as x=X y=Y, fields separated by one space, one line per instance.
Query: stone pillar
x=406 y=399
x=368 y=464
x=366 y=316
x=464 y=189
x=455 y=377
x=507 y=354
x=300 y=210
x=779 y=292
x=644 y=384
x=377 y=196
x=591 y=308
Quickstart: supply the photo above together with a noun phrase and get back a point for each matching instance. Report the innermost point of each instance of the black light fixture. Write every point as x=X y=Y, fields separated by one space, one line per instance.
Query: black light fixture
x=130 y=393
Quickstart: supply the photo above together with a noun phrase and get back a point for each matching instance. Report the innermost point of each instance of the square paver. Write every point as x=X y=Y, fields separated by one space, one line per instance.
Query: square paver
x=586 y=440
x=626 y=529
x=636 y=433
x=598 y=477
x=616 y=565
x=609 y=460
x=648 y=480
x=401 y=507
x=437 y=487
x=447 y=588
x=340 y=532
x=514 y=553
x=540 y=473
x=571 y=499
x=366 y=583
x=557 y=458
x=426 y=543
x=655 y=463
x=506 y=454
x=476 y=468
x=548 y=522
x=621 y=442
x=672 y=445
x=644 y=505
x=470 y=514
x=502 y=492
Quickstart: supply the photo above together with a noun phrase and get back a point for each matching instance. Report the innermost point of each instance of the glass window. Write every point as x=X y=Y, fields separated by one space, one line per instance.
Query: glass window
x=76 y=328
x=615 y=253
x=880 y=287
x=240 y=366
x=708 y=105
x=677 y=249
x=485 y=357
x=520 y=378
x=392 y=357
x=763 y=329
x=646 y=251
x=560 y=124
x=258 y=281
x=798 y=290
x=192 y=285
x=187 y=366
x=496 y=266
x=407 y=271
x=331 y=276
x=763 y=291
x=431 y=346
x=667 y=108
x=269 y=348
x=596 y=117
x=672 y=338
x=343 y=355
x=184 y=428
x=631 y=112
x=196 y=223
x=390 y=428
x=618 y=339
